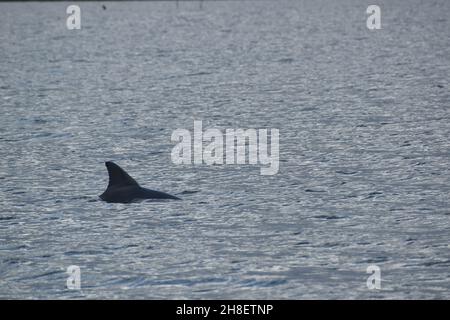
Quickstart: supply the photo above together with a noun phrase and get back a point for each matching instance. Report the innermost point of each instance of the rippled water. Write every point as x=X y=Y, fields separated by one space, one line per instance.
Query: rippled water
x=364 y=149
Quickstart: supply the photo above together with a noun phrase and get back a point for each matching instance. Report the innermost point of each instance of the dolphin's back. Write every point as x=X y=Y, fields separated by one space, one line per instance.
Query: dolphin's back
x=152 y=194
x=122 y=188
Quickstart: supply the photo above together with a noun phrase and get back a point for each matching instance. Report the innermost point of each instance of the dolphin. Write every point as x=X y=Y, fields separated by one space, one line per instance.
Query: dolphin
x=124 y=189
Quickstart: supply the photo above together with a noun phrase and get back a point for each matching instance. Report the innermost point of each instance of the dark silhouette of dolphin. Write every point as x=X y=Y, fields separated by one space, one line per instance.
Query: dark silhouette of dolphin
x=124 y=189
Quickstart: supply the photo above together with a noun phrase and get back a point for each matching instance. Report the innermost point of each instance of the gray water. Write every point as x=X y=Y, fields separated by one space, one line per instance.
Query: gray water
x=364 y=129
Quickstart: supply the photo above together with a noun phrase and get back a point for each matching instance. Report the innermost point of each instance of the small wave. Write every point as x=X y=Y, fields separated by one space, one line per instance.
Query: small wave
x=286 y=60
x=346 y=172
x=328 y=217
x=262 y=283
x=189 y=191
x=437 y=263
x=87 y=252
x=198 y=74
x=7 y=218
x=314 y=190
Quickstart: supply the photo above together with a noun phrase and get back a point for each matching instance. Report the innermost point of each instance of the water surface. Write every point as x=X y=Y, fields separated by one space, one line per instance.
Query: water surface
x=364 y=149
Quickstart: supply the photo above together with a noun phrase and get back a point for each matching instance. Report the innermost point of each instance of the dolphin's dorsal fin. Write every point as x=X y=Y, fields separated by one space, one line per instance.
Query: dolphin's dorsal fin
x=118 y=176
